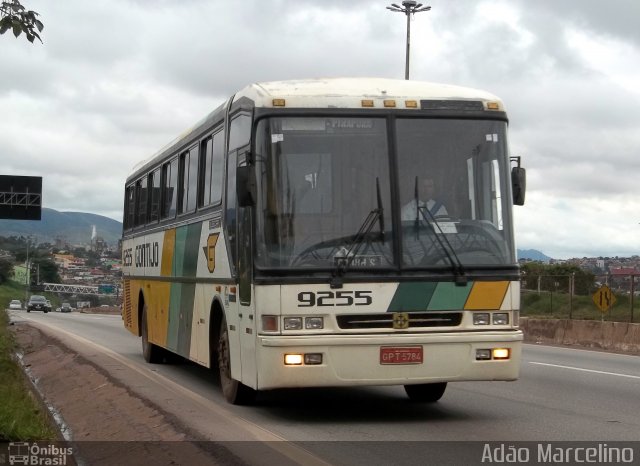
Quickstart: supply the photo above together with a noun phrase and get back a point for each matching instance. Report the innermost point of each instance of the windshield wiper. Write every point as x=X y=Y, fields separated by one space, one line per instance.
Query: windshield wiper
x=456 y=265
x=350 y=253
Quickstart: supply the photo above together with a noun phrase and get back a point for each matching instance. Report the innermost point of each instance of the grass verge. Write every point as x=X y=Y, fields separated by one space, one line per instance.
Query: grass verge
x=21 y=417
x=548 y=305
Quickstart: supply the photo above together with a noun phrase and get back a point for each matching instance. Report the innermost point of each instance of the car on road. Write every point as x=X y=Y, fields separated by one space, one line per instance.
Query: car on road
x=15 y=304
x=65 y=307
x=38 y=303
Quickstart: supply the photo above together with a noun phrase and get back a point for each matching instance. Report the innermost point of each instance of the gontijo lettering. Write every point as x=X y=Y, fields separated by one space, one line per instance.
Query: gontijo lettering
x=147 y=255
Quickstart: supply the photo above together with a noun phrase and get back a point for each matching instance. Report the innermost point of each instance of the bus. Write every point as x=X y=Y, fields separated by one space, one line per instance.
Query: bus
x=270 y=241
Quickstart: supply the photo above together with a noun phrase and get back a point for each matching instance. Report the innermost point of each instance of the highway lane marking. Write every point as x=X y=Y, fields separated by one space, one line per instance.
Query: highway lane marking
x=297 y=454
x=585 y=370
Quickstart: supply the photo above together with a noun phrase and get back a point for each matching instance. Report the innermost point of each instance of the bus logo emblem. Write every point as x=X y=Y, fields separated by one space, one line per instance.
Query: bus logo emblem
x=210 y=251
x=400 y=320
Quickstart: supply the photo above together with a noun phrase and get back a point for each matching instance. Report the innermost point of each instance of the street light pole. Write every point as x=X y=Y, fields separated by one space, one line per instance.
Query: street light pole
x=27 y=276
x=409 y=7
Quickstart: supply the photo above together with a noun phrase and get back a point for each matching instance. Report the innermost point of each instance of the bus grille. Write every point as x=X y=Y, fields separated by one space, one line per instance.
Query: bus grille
x=385 y=321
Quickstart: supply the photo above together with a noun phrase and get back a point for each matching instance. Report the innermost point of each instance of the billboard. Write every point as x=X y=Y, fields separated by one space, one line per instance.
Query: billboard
x=20 y=197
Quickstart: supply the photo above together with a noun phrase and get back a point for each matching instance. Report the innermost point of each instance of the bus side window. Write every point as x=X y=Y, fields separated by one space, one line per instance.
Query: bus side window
x=204 y=189
x=192 y=179
x=188 y=176
x=170 y=188
x=154 y=186
x=217 y=168
x=183 y=181
x=211 y=170
x=129 y=208
x=141 y=200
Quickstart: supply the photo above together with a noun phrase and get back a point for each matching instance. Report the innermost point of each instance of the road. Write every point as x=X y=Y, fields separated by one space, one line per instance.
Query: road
x=562 y=395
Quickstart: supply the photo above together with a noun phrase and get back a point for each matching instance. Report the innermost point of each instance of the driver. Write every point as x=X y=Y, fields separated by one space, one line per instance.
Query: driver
x=427 y=199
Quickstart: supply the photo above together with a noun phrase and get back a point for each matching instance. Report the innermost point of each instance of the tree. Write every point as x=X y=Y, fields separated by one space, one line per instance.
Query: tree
x=550 y=275
x=46 y=270
x=6 y=270
x=15 y=16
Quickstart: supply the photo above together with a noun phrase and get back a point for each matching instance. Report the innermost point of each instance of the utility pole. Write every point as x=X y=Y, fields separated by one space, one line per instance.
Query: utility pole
x=572 y=285
x=27 y=275
x=409 y=7
x=632 y=292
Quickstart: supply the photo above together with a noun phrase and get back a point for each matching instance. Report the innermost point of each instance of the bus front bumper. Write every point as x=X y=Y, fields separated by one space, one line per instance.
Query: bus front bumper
x=358 y=359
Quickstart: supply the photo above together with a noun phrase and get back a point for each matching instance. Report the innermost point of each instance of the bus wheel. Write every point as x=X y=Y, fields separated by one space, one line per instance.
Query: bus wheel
x=150 y=352
x=234 y=392
x=426 y=392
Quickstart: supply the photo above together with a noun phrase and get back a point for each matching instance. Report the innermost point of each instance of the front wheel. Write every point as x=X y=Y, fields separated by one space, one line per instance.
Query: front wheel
x=426 y=392
x=234 y=392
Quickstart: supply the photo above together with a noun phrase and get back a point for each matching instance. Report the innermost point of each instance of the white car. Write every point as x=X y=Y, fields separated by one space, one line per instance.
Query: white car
x=15 y=304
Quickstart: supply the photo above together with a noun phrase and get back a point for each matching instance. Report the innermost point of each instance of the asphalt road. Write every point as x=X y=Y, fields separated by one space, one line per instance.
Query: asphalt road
x=562 y=395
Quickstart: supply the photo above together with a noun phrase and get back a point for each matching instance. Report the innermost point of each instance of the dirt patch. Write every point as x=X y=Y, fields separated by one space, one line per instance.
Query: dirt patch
x=101 y=310
x=96 y=409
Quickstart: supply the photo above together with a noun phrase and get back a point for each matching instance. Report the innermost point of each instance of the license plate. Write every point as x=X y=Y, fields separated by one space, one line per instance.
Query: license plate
x=401 y=355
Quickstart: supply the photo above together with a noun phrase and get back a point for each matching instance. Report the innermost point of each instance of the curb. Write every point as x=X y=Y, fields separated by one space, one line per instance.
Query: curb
x=62 y=430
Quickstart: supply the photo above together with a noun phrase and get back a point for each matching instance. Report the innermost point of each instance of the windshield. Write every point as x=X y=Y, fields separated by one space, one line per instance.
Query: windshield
x=325 y=193
x=320 y=179
x=454 y=183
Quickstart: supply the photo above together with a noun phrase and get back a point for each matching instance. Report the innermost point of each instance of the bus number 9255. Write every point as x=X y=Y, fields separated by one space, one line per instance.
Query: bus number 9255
x=338 y=298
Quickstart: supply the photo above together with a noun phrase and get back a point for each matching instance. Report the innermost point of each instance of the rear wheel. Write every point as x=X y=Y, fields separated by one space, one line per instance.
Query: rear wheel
x=150 y=352
x=426 y=392
x=234 y=392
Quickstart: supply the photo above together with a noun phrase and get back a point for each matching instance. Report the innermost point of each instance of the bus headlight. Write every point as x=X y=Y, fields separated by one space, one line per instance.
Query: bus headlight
x=480 y=318
x=292 y=323
x=313 y=323
x=293 y=359
x=501 y=353
x=500 y=318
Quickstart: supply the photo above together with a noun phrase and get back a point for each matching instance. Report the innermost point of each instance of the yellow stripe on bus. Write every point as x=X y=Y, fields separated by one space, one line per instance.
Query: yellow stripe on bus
x=168 y=246
x=157 y=294
x=487 y=295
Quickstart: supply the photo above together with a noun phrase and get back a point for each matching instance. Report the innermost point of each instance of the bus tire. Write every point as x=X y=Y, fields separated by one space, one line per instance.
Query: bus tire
x=425 y=392
x=234 y=391
x=151 y=353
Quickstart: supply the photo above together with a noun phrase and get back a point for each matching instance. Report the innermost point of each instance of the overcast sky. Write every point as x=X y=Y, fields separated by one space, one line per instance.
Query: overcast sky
x=115 y=80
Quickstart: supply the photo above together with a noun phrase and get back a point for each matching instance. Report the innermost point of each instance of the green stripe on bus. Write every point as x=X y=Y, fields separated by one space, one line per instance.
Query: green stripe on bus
x=186 y=318
x=185 y=264
x=193 y=249
x=178 y=253
x=449 y=297
x=174 y=316
x=412 y=296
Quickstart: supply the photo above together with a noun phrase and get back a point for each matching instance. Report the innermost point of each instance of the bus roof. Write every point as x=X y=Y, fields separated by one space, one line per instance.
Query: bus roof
x=334 y=93
x=349 y=92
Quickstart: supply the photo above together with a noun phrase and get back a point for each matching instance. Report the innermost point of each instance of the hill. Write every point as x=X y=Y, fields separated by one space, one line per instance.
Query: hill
x=72 y=227
x=532 y=254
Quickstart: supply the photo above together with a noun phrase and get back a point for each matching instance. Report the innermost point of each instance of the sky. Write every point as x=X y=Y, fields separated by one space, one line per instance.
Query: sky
x=115 y=80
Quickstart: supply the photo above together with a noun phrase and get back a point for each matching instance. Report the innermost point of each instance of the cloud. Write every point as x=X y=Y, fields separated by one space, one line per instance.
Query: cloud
x=115 y=80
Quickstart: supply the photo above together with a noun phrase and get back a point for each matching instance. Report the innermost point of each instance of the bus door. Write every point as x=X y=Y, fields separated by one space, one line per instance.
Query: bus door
x=246 y=308
x=239 y=146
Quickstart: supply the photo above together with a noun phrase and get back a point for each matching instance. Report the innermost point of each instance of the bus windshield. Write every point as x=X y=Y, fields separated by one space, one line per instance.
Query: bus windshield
x=325 y=197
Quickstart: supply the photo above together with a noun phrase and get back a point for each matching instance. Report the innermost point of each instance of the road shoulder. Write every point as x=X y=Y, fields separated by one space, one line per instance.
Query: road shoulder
x=93 y=408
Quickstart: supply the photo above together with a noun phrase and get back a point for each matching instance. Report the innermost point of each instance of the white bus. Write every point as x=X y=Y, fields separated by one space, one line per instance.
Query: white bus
x=291 y=239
